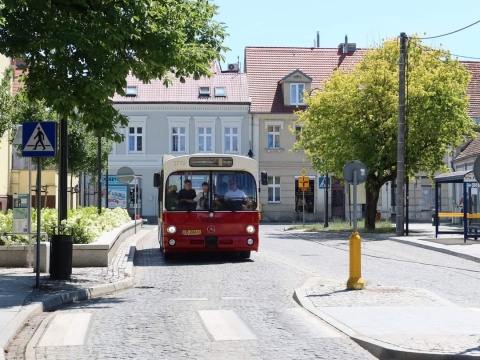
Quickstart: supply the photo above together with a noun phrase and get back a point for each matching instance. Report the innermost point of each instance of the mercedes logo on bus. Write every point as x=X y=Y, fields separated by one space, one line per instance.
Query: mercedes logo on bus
x=211 y=229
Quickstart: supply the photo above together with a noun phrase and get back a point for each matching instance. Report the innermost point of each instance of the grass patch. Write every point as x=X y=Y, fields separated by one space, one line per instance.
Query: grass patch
x=381 y=227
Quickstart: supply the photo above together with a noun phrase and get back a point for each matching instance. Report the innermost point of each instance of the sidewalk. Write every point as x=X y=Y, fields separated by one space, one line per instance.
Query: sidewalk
x=423 y=235
x=401 y=323
x=20 y=300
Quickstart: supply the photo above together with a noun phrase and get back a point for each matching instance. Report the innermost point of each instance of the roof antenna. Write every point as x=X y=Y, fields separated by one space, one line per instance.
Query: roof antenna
x=318 y=39
x=345 y=46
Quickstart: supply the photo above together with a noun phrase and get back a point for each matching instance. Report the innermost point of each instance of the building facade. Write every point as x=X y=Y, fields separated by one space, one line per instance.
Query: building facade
x=210 y=115
x=277 y=78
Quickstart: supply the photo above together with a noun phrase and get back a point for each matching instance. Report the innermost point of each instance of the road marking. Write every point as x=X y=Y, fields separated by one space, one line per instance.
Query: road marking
x=304 y=325
x=187 y=299
x=226 y=325
x=67 y=329
x=234 y=297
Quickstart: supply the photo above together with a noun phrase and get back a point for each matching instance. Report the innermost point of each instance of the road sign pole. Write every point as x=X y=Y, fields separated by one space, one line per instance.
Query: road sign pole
x=355 y=281
x=135 y=202
x=303 y=207
x=39 y=210
x=325 y=223
x=355 y=200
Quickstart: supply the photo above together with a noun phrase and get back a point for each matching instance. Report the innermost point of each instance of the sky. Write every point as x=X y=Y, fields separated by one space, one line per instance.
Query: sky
x=367 y=23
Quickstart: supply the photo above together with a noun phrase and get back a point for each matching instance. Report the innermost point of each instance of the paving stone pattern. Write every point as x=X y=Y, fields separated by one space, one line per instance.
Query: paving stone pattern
x=159 y=318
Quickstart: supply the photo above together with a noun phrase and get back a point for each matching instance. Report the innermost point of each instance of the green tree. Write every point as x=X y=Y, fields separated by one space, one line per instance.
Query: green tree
x=355 y=116
x=6 y=100
x=79 y=52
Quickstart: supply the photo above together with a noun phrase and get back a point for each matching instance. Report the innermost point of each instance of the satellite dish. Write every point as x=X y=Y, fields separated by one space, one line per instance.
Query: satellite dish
x=125 y=175
x=476 y=169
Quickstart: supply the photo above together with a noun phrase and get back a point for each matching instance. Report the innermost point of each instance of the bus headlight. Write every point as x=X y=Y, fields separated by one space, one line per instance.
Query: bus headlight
x=171 y=229
x=172 y=242
x=250 y=229
x=250 y=242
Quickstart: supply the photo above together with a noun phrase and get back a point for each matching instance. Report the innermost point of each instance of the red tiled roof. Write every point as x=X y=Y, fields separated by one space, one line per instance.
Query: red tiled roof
x=474 y=88
x=235 y=84
x=472 y=149
x=266 y=66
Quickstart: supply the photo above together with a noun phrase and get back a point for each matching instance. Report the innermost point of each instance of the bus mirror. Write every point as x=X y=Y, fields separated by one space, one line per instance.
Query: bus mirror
x=264 y=178
x=156 y=180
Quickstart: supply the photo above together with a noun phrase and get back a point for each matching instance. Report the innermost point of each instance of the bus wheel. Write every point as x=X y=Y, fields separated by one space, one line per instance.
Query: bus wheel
x=245 y=254
x=167 y=256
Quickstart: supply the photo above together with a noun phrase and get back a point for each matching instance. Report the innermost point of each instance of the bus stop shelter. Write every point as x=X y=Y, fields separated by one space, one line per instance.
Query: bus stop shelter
x=457 y=204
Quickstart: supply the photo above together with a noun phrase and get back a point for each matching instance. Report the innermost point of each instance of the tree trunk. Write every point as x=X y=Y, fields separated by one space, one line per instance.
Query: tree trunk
x=372 y=195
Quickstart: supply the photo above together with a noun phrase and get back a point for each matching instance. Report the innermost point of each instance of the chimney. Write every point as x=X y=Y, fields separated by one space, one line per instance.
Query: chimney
x=318 y=39
x=346 y=47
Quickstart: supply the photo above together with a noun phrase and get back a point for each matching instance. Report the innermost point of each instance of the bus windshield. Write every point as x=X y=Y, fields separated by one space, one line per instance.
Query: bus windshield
x=211 y=190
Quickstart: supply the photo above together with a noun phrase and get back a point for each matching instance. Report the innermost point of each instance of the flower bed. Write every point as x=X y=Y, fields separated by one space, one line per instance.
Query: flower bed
x=85 y=223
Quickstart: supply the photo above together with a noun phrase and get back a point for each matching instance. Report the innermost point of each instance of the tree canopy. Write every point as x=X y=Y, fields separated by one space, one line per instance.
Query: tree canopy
x=355 y=116
x=79 y=52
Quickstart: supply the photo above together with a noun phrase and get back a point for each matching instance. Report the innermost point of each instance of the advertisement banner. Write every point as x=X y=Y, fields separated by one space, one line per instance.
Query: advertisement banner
x=20 y=213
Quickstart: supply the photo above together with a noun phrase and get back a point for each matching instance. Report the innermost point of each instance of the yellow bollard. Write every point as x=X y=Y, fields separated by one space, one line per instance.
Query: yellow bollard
x=355 y=282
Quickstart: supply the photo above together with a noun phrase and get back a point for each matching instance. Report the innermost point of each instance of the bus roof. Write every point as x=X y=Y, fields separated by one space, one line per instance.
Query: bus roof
x=240 y=162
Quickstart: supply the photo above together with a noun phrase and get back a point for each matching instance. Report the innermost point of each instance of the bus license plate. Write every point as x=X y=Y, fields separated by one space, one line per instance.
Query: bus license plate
x=191 y=232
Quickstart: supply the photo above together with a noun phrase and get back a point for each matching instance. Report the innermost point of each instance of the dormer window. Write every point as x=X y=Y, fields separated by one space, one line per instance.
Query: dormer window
x=296 y=93
x=204 y=91
x=293 y=87
x=220 y=91
x=131 y=91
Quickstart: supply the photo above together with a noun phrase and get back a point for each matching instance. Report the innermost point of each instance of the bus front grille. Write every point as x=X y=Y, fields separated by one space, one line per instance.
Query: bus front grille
x=211 y=242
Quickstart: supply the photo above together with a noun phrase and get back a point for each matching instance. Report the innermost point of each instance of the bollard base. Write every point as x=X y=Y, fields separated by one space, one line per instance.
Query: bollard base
x=355 y=284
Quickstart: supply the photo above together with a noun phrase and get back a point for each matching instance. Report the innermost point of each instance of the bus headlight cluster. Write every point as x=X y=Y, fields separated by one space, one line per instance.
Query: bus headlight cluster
x=250 y=242
x=172 y=242
x=250 y=229
x=172 y=229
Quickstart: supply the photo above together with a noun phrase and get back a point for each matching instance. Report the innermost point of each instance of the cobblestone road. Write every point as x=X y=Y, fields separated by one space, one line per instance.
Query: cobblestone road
x=205 y=308
x=384 y=262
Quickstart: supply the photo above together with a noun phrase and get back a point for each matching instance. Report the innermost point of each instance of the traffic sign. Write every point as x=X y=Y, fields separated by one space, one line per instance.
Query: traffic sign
x=125 y=175
x=304 y=183
x=354 y=166
x=39 y=139
x=476 y=169
x=323 y=182
x=303 y=172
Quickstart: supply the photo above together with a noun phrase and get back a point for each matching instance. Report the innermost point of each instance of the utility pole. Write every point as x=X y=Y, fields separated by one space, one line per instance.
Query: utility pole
x=99 y=180
x=63 y=173
x=401 y=139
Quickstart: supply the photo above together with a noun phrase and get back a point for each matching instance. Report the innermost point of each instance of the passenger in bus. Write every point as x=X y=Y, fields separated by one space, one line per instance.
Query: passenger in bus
x=186 y=196
x=171 y=198
x=203 y=198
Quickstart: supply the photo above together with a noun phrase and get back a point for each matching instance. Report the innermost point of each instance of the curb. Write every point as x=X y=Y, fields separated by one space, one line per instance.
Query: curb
x=377 y=348
x=433 y=248
x=58 y=300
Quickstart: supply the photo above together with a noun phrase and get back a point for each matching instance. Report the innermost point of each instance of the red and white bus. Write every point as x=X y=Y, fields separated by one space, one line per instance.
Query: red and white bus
x=225 y=217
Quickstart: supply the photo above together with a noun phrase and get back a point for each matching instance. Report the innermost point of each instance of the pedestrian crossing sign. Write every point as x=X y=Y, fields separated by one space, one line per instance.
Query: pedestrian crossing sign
x=39 y=139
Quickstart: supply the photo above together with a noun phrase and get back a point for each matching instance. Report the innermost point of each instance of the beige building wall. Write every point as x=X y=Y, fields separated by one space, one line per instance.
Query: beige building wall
x=285 y=164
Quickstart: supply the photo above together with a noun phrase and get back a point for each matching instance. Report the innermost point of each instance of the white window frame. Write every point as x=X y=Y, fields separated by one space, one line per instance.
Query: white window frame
x=136 y=122
x=178 y=123
x=274 y=123
x=204 y=123
x=298 y=100
x=274 y=186
x=231 y=123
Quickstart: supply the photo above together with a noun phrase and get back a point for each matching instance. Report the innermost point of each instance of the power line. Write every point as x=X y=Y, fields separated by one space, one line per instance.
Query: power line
x=448 y=52
x=450 y=33
x=465 y=57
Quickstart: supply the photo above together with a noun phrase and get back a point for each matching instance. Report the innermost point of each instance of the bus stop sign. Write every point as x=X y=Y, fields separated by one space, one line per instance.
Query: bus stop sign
x=476 y=169
x=352 y=166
